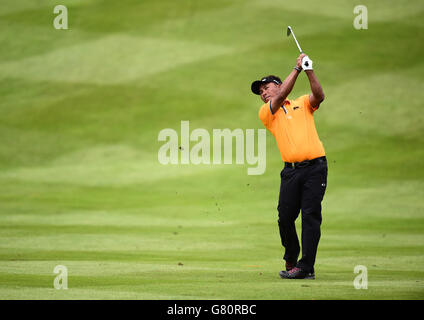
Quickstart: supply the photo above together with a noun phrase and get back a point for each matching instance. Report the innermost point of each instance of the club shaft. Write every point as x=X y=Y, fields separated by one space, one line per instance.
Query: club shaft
x=297 y=43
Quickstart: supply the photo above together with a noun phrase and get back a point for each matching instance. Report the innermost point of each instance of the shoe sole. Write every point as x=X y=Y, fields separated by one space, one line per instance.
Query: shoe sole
x=308 y=277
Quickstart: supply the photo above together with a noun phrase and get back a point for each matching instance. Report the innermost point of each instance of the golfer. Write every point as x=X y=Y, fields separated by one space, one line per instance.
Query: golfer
x=304 y=176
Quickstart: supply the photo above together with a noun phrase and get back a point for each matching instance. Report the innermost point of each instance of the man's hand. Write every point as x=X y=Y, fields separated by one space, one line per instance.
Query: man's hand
x=306 y=63
x=299 y=60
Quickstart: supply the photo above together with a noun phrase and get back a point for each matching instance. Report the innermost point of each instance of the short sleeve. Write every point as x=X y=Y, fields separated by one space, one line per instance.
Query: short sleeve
x=266 y=115
x=307 y=104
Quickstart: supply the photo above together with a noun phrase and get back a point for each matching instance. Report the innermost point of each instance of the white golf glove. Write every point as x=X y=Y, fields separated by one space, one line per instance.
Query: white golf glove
x=306 y=63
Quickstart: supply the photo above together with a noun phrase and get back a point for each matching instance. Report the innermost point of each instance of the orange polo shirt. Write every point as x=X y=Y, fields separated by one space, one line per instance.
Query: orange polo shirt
x=293 y=127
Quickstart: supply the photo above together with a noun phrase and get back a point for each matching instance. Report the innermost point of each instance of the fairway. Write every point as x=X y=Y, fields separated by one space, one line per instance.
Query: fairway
x=80 y=181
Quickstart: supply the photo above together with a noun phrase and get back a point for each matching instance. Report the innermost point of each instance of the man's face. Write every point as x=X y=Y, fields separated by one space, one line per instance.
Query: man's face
x=268 y=90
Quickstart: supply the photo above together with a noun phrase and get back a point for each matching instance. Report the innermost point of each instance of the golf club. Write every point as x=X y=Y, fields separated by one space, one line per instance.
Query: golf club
x=290 y=32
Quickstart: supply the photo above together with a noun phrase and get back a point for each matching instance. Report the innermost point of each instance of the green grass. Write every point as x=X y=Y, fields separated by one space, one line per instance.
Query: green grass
x=81 y=186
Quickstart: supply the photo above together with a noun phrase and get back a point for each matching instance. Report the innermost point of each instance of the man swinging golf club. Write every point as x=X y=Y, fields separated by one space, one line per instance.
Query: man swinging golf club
x=304 y=176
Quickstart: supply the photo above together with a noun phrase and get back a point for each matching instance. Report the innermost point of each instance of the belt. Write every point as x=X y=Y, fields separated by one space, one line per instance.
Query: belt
x=305 y=163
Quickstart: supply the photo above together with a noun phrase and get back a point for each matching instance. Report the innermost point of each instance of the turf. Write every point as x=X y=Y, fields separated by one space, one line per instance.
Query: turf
x=80 y=181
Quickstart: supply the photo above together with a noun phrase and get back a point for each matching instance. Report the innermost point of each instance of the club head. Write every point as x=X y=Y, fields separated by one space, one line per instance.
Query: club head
x=289 y=30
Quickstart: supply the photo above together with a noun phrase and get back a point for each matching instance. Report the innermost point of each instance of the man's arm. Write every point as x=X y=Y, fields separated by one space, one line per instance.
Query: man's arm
x=317 y=96
x=286 y=87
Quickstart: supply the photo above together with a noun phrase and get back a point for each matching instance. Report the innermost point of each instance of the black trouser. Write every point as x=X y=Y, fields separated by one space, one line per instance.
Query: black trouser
x=302 y=189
